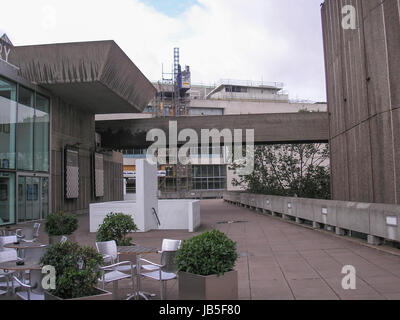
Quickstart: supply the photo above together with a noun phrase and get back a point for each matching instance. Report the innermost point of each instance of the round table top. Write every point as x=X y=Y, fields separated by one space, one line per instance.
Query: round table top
x=9 y=229
x=137 y=249
x=24 y=245
x=12 y=266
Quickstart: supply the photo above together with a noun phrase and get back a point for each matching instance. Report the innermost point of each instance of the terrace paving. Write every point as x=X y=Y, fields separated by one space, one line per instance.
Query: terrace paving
x=279 y=260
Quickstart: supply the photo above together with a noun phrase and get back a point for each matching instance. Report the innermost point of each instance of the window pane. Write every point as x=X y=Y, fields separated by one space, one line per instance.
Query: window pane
x=8 y=114
x=42 y=124
x=223 y=171
x=7 y=198
x=25 y=120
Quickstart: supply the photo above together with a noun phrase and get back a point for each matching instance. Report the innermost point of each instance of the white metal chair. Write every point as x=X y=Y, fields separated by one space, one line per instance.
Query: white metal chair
x=109 y=273
x=109 y=251
x=6 y=240
x=34 y=254
x=167 y=245
x=36 y=228
x=6 y=280
x=163 y=272
x=114 y=270
x=29 y=234
x=33 y=290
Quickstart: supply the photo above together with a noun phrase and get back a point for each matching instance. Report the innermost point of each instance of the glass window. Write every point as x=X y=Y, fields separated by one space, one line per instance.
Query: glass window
x=210 y=177
x=25 y=122
x=42 y=125
x=7 y=198
x=8 y=115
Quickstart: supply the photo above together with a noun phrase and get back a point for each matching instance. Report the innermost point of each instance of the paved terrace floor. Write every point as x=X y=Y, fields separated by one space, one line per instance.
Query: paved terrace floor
x=280 y=260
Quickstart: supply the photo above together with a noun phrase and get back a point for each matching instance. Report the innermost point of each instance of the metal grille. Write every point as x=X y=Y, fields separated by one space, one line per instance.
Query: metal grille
x=71 y=174
x=99 y=174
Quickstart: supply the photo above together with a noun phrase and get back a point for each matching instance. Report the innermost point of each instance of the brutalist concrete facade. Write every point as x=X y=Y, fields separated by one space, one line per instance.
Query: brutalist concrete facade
x=363 y=88
x=79 y=80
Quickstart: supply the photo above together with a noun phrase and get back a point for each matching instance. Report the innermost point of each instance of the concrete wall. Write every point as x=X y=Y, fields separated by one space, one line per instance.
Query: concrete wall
x=375 y=220
x=206 y=194
x=268 y=128
x=70 y=125
x=179 y=215
x=228 y=108
x=363 y=89
x=251 y=94
x=173 y=214
x=256 y=107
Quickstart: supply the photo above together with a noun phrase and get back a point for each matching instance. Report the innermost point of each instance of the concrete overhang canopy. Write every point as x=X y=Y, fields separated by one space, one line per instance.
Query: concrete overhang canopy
x=97 y=76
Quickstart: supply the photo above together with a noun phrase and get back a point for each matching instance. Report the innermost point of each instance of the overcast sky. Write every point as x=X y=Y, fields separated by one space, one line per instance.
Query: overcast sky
x=269 y=40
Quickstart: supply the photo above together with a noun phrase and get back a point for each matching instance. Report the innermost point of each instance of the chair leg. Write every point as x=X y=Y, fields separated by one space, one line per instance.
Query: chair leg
x=163 y=290
x=115 y=290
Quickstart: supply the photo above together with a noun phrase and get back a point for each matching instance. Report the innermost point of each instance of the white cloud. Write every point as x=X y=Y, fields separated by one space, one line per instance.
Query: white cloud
x=270 y=40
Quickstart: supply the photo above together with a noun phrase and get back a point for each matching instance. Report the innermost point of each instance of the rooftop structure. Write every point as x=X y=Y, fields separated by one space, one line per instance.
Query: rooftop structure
x=229 y=89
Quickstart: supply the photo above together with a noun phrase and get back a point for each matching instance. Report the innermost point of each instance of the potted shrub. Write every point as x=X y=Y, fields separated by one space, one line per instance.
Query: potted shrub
x=205 y=268
x=60 y=224
x=77 y=272
x=116 y=226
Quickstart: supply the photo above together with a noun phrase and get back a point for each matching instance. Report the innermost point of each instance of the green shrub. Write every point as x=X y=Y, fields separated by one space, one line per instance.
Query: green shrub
x=115 y=227
x=77 y=269
x=209 y=253
x=58 y=224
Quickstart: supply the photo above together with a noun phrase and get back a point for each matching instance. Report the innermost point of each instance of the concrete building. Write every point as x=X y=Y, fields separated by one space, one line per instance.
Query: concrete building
x=363 y=88
x=50 y=159
x=227 y=97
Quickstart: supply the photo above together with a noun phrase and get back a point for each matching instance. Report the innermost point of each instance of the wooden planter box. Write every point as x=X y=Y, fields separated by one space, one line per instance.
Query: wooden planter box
x=196 y=287
x=103 y=295
x=56 y=239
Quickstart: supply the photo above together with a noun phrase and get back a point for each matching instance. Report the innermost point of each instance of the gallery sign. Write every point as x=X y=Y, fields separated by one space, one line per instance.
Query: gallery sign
x=5 y=50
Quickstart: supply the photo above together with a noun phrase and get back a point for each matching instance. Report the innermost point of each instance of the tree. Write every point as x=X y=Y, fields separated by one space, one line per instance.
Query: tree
x=300 y=170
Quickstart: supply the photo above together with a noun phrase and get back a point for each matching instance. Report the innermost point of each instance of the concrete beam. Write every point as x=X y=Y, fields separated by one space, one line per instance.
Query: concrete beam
x=97 y=76
x=268 y=128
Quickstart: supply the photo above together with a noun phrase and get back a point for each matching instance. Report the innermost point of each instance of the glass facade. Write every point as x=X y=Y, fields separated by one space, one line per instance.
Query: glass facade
x=25 y=125
x=7 y=198
x=24 y=152
x=41 y=133
x=8 y=115
x=209 y=177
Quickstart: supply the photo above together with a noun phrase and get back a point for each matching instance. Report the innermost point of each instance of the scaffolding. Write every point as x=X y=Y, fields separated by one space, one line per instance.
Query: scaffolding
x=173 y=100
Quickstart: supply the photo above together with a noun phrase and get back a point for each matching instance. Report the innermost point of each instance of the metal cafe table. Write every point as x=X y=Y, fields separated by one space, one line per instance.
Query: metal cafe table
x=23 y=245
x=20 y=269
x=138 y=251
x=8 y=231
x=12 y=266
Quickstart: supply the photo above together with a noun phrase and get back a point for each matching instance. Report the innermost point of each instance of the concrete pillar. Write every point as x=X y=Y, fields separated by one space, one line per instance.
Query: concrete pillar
x=339 y=231
x=274 y=214
x=316 y=225
x=299 y=221
x=124 y=184
x=374 y=240
x=146 y=195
